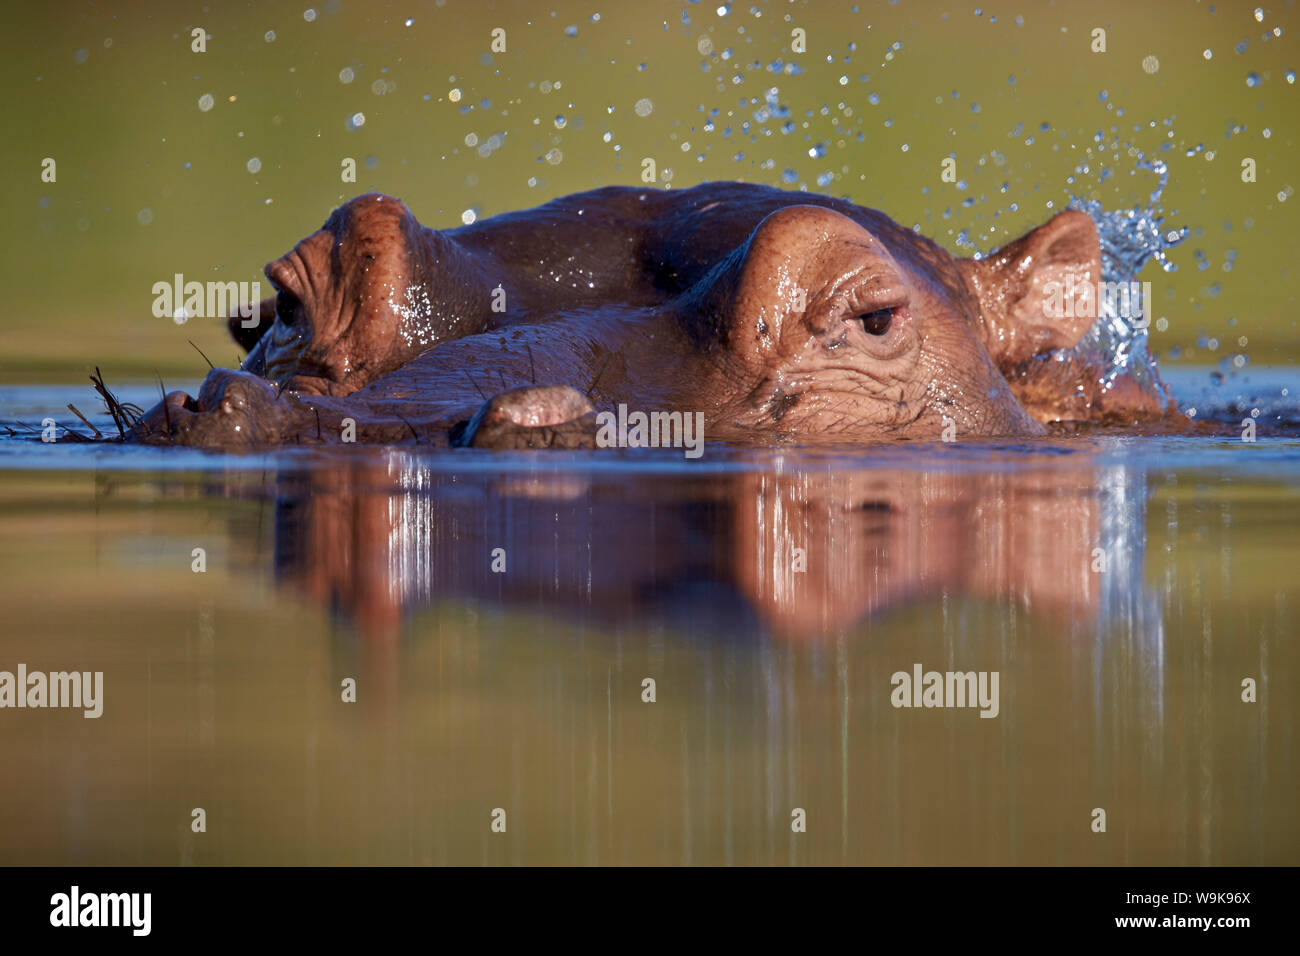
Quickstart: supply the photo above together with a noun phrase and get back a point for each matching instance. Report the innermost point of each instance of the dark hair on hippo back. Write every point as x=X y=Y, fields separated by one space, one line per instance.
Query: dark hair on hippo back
x=776 y=316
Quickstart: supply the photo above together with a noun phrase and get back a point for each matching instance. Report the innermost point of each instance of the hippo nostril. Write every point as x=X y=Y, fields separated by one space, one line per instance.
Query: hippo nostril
x=286 y=307
x=183 y=400
x=877 y=322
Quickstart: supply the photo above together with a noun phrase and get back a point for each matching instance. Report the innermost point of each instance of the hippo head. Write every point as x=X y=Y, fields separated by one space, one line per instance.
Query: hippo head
x=849 y=328
x=817 y=321
x=352 y=299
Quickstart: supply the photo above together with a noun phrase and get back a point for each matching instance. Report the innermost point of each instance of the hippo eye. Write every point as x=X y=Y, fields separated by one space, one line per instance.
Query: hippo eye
x=878 y=322
x=286 y=307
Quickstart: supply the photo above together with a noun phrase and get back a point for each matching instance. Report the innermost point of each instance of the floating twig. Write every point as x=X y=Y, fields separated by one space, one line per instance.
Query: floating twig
x=125 y=416
x=73 y=408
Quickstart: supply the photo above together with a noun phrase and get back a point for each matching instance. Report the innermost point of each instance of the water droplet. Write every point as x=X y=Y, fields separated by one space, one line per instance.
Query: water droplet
x=206 y=102
x=468 y=216
x=1252 y=79
x=309 y=14
x=144 y=216
x=254 y=165
x=356 y=120
x=643 y=107
x=346 y=75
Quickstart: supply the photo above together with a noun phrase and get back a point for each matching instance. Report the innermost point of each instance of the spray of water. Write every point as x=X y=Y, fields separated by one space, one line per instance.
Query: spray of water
x=1117 y=345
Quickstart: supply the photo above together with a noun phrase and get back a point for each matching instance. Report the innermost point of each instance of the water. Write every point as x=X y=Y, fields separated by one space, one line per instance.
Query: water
x=500 y=614
x=1122 y=587
x=1118 y=343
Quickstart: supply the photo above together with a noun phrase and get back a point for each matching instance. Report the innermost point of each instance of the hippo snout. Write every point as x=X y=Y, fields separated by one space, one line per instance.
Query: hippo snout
x=233 y=409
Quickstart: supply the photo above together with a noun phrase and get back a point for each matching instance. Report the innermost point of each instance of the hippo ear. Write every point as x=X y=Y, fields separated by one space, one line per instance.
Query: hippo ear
x=1039 y=292
x=762 y=299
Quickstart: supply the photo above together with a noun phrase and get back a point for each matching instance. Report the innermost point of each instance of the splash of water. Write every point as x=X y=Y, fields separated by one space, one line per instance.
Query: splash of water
x=1116 y=344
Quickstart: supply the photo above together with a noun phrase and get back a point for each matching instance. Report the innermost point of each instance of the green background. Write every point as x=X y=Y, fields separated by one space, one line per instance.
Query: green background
x=111 y=91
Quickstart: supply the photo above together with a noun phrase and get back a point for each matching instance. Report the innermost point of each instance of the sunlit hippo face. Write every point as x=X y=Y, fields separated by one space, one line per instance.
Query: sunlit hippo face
x=349 y=299
x=856 y=334
x=779 y=318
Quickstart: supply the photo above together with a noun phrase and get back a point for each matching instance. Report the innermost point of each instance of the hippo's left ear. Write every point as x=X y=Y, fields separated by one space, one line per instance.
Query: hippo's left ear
x=1040 y=292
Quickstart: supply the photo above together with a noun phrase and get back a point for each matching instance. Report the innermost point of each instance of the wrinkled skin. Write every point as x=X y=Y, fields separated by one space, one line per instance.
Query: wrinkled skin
x=780 y=316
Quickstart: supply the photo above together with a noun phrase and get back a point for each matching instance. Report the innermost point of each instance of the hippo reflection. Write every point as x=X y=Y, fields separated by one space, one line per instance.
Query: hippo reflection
x=800 y=555
x=777 y=316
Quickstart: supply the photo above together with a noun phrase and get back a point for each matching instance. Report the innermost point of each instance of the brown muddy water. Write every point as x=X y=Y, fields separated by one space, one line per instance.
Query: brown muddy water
x=1121 y=587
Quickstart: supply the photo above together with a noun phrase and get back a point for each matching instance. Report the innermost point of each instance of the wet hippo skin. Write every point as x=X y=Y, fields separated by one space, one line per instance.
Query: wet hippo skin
x=779 y=316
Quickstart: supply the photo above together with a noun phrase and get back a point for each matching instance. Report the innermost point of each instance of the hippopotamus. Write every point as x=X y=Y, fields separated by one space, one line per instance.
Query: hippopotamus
x=774 y=316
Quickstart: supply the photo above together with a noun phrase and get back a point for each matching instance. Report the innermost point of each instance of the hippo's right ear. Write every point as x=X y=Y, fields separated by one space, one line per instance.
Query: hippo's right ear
x=248 y=330
x=803 y=269
x=1040 y=292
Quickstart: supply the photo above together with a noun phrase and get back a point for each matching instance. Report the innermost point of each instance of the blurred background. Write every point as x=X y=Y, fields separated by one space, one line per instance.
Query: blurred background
x=210 y=164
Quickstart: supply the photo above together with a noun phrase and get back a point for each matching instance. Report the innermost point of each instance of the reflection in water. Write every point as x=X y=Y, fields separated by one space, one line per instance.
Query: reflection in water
x=800 y=555
x=770 y=597
x=760 y=560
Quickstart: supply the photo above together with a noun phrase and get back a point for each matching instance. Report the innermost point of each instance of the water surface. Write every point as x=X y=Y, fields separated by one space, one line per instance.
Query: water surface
x=1122 y=586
